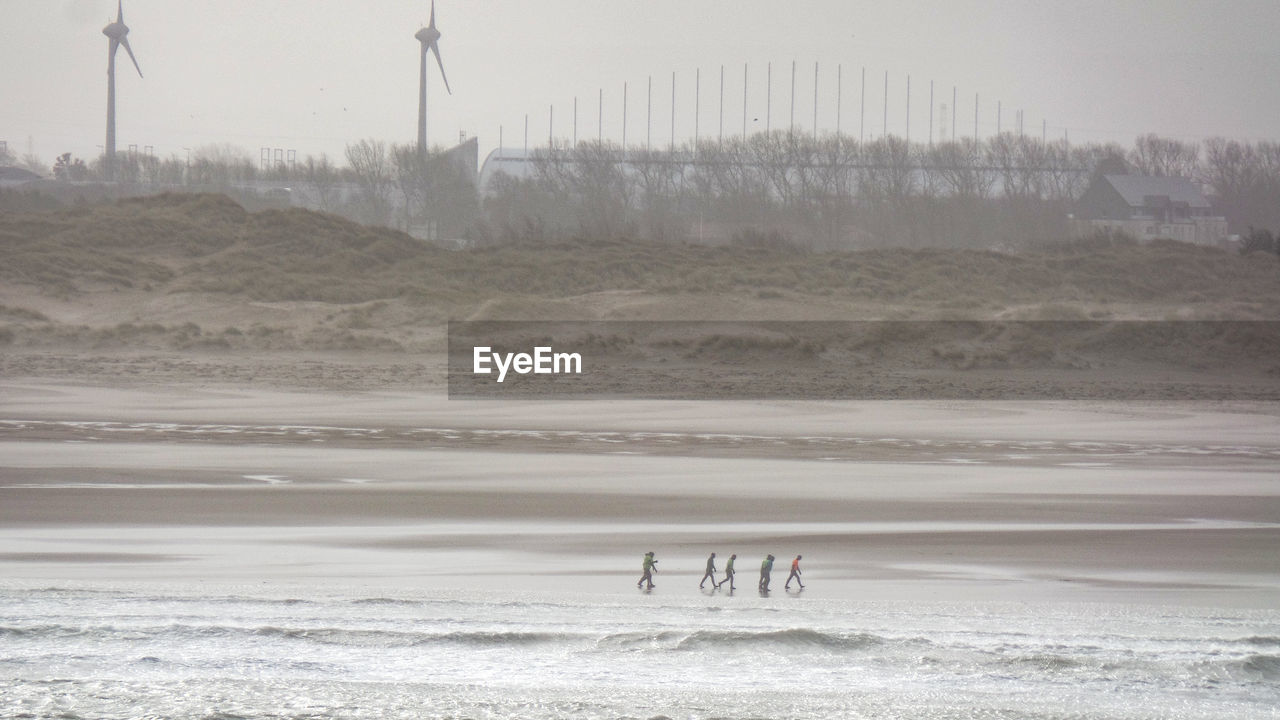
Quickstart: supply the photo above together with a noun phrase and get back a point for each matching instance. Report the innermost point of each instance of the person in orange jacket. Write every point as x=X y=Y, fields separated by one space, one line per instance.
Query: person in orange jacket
x=795 y=574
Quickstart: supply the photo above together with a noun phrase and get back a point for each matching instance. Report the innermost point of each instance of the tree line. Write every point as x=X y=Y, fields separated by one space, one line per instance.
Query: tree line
x=1007 y=191
x=828 y=191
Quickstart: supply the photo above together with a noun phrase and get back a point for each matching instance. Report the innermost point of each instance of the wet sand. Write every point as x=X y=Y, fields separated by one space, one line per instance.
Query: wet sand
x=1157 y=502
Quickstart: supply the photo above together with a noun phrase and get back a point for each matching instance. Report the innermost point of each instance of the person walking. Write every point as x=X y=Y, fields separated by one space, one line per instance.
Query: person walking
x=650 y=567
x=795 y=574
x=766 y=569
x=728 y=573
x=710 y=573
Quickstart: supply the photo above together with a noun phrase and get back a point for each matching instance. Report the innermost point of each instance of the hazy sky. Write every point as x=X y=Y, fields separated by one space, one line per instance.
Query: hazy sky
x=315 y=75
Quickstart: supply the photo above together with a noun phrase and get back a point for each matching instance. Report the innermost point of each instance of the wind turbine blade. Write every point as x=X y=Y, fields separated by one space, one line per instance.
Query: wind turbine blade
x=436 y=49
x=125 y=43
x=120 y=11
x=433 y=14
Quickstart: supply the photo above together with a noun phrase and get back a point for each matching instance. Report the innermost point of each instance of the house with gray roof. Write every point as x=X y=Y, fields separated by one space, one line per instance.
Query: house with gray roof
x=14 y=176
x=1149 y=208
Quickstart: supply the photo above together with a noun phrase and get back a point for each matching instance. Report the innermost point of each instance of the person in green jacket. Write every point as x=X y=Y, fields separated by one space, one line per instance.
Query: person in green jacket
x=766 y=568
x=728 y=573
x=650 y=567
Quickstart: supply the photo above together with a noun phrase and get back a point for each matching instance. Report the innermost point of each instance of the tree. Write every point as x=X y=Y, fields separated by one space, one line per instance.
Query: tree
x=220 y=166
x=1154 y=155
x=372 y=168
x=1246 y=180
x=956 y=164
x=323 y=178
x=1258 y=240
x=67 y=168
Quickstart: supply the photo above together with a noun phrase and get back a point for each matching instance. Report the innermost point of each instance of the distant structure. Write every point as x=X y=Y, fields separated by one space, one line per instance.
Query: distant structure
x=1149 y=208
x=118 y=34
x=429 y=38
x=14 y=176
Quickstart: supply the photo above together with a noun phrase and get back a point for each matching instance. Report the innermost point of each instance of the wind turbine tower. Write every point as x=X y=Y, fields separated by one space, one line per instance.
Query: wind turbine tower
x=429 y=38
x=118 y=33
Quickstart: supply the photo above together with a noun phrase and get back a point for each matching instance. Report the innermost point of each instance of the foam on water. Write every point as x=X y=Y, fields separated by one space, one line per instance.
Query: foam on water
x=855 y=446
x=188 y=652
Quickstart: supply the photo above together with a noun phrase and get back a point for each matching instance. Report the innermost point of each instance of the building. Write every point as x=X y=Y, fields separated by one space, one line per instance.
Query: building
x=15 y=176
x=1149 y=208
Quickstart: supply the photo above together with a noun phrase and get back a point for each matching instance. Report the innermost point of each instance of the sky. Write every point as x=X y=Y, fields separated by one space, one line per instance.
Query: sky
x=316 y=75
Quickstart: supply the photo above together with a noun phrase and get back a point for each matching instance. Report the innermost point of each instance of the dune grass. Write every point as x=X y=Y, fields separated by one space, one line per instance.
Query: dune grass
x=207 y=243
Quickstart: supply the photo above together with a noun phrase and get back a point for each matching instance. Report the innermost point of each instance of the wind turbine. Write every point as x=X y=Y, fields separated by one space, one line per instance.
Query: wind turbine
x=118 y=33
x=428 y=37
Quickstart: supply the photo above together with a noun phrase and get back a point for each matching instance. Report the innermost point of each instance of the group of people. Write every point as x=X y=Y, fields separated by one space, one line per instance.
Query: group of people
x=650 y=566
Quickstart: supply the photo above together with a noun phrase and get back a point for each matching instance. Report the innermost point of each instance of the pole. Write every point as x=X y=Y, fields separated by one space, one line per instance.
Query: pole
x=575 y=121
x=954 y=112
x=999 y=112
x=648 y=119
x=975 y=120
x=551 y=120
x=886 y=104
x=815 y=99
x=526 y=136
x=791 y=128
x=673 y=112
x=109 y=152
x=600 y=119
x=721 y=137
x=697 y=107
x=862 y=123
x=624 y=118
x=908 y=137
x=768 y=98
x=930 y=113
x=839 y=96
x=744 y=101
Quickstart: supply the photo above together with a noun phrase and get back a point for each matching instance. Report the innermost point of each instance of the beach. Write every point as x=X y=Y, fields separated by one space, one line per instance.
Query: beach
x=1164 y=502
x=222 y=551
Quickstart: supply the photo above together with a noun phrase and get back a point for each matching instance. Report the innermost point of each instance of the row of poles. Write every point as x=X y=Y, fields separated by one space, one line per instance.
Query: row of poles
x=769 y=110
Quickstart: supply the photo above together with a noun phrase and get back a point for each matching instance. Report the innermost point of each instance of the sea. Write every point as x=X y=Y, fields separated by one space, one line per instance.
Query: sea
x=257 y=651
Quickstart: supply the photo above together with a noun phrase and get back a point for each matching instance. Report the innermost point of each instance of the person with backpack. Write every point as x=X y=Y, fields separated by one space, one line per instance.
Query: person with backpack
x=649 y=567
x=728 y=573
x=766 y=569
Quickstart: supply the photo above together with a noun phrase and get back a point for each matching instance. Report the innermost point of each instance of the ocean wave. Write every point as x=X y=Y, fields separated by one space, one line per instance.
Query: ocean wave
x=1261 y=640
x=1260 y=666
x=408 y=638
x=337 y=636
x=792 y=638
x=46 y=632
x=386 y=601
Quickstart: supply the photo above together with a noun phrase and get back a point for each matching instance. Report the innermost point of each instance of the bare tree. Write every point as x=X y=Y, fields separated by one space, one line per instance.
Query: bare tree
x=409 y=172
x=657 y=175
x=323 y=178
x=372 y=169
x=956 y=164
x=220 y=166
x=172 y=172
x=1246 y=180
x=833 y=186
x=1154 y=155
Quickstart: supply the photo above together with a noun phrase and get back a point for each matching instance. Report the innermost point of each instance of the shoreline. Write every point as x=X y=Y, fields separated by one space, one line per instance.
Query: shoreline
x=1038 y=502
